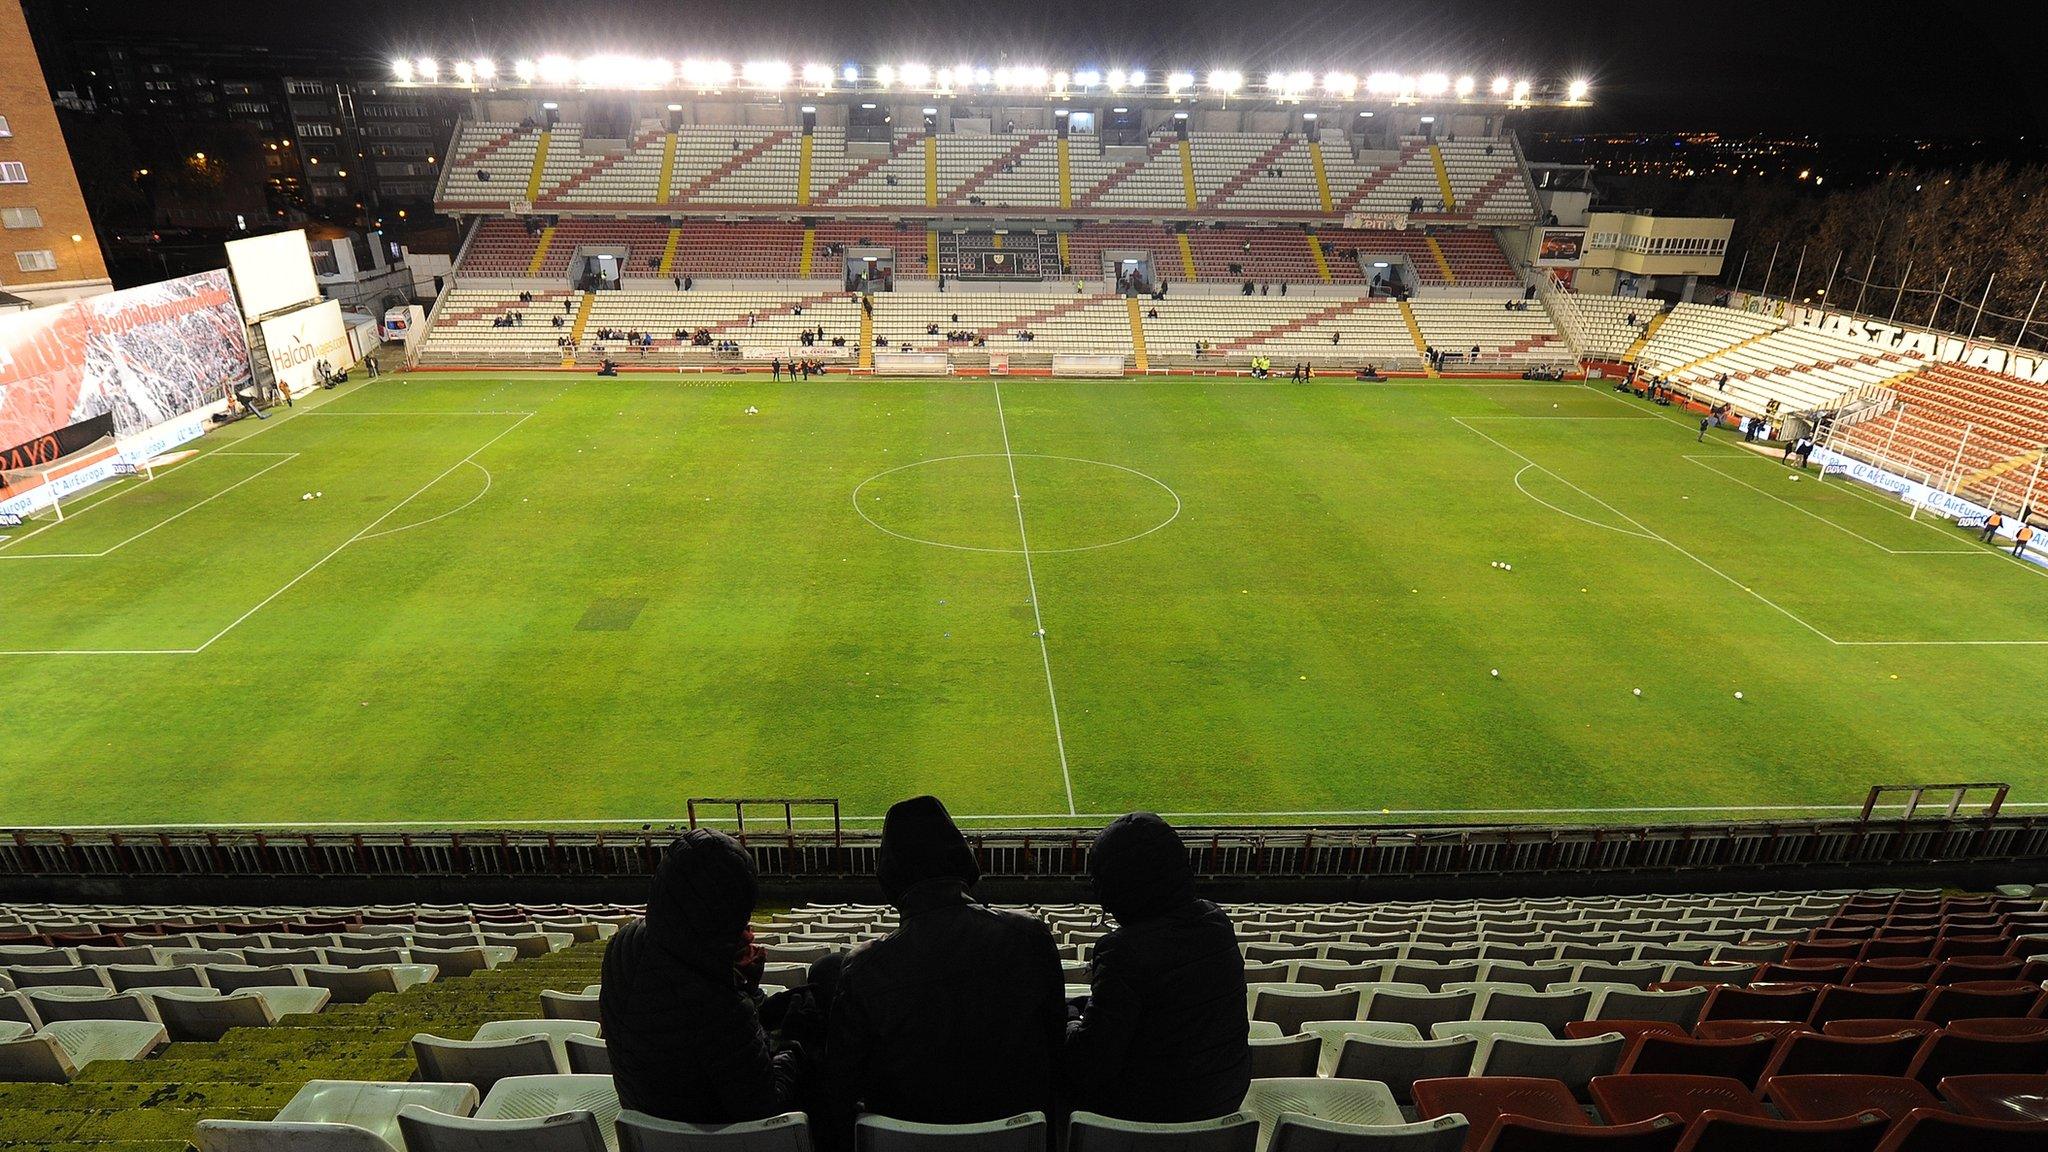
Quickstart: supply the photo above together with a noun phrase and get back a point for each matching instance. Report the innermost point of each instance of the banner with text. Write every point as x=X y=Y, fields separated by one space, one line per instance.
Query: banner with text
x=299 y=342
x=144 y=356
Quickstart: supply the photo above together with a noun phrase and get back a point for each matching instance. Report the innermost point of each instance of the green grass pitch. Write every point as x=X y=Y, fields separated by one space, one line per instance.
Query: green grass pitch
x=550 y=598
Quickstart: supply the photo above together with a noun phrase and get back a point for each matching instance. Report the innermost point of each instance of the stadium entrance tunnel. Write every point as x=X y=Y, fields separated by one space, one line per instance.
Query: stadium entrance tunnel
x=969 y=503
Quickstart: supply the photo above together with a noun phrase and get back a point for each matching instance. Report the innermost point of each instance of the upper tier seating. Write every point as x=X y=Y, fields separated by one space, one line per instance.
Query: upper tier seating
x=757 y=166
x=2005 y=419
x=1606 y=326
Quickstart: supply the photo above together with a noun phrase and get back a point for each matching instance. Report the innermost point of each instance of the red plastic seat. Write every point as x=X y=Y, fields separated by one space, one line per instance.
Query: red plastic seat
x=1521 y=1134
x=1737 y=1029
x=1741 y=1059
x=1967 y=969
x=1950 y=947
x=1998 y=1097
x=1484 y=1099
x=1868 y=1003
x=1815 y=1054
x=1903 y=970
x=1832 y=1097
x=1933 y=1130
x=2001 y=1026
x=1727 y=1132
x=1731 y=1003
x=1978 y=1000
x=1921 y=1028
x=1953 y=1053
x=1628 y=1099
x=1847 y=951
x=1805 y=972
x=1899 y=948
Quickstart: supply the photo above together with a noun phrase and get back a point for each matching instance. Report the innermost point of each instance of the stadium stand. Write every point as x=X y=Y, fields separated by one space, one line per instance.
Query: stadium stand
x=1509 y=338
x=1802 y=369
x=1601 y=326
x=1983 y=430
x=1544 y=994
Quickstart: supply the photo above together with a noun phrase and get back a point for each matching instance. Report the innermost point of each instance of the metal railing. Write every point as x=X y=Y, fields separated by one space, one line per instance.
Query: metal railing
x=1354 y=853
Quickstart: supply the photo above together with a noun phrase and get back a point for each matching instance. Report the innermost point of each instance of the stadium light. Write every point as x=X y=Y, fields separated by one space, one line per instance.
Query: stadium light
x=1501 y=85
x=929 y=110
x=1579 y=89
x=1310 y=116
x=428 y=68
x=526 y=70
x=1340 y=84
x=1521 y=90
x=852 y=74
x=1465 y=86
x=1060 y=80
x=659 y=72
x=945 y=79
x=817 y=76
x=675 y=107
x=984 y=77
x=465 y=71
x=403 y=70
x=1033 y=78
x=1179 y=82
x=1226 y=81
x=1117 y=79
x=1383 y=83
x=885 y=75
x=1138 y=78
x=1435 y=84
x=1087 y=78
x=916 y=75
x=486 y=68
x=556 y=69
x=768 y=74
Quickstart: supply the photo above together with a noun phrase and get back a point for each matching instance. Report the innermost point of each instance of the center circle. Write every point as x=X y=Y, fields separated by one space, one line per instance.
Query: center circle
x=971 y=503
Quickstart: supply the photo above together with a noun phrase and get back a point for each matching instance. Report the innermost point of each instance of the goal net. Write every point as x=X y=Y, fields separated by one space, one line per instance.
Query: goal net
x=46 y=487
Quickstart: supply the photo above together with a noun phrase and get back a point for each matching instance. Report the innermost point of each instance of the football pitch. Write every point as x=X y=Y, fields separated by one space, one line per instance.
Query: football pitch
x=551 y=599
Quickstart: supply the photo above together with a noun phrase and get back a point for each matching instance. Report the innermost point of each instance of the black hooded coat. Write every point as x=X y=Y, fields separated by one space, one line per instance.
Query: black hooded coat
x=1163 y=1038
x=956 y=1016
x=680 y=1019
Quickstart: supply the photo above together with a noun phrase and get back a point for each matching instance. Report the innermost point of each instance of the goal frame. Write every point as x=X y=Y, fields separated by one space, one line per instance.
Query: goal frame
x=92 y=454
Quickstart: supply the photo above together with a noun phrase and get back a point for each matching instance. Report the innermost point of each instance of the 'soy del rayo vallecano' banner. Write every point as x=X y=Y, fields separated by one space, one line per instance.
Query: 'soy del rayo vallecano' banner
x=153 y=358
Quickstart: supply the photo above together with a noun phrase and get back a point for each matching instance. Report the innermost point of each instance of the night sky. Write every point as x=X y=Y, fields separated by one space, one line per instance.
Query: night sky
x=1803 y=66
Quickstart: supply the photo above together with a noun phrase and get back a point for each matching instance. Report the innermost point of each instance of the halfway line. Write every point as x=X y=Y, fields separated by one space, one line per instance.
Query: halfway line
x=1044 y=653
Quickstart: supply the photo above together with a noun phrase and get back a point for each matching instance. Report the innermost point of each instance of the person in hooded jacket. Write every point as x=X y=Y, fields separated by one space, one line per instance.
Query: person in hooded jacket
x=681 y=990
x=1163 y=1037
x=958 y=1015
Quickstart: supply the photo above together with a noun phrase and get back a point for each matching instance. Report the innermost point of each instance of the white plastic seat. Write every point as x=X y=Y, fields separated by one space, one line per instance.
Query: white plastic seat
x=1298 y=1133
x=425 y=1130
x=1332 y=1034
x=234 y=977
x=1024 y=1132
x=1352 y=1102
x=1285 y=1056
x=567 y=1005
x=58 y=976
x=587 y=1055
x=1400 y=1063
x=54 y=1004
x=1681 y=1007
x=1291 y=1008
x=555 y=1031
x=372 y=1106
x=639 y=1132
x=1552 y=1009
x=357 y=985
x=190 y=1016
x=1575 y=1062
x=1091 y=1132
x=453 y=962
x=484 y=1063
x=35 y=1059
x=532 y=1097
x=87 y=1041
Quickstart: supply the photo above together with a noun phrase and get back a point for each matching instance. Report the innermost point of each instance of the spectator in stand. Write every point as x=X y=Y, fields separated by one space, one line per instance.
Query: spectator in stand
x=681 y=990
x=958 y=1015
x=1162 y=1036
